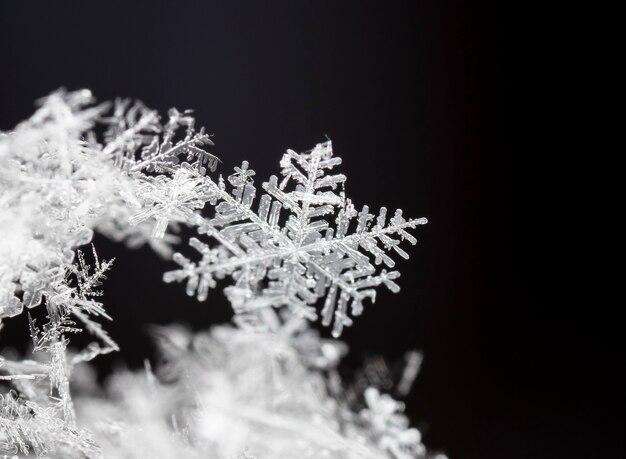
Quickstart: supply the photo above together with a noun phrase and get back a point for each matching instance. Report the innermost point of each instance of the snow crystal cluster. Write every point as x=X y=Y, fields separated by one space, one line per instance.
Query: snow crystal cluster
x=266 y=386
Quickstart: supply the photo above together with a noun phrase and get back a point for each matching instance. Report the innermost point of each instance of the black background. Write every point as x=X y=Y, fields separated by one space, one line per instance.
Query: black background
x=444 y=109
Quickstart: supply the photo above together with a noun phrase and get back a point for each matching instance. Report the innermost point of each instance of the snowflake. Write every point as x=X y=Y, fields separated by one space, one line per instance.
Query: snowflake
x=60 y=181
x=75 y=168
x=389 y=427
x=322 y=248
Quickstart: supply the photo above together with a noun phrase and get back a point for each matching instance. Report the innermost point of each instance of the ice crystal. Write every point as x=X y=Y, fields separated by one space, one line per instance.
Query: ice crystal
x=323 y=247
x=59 y=181
x=224 y=391
x=268 y=387
x=25 y=426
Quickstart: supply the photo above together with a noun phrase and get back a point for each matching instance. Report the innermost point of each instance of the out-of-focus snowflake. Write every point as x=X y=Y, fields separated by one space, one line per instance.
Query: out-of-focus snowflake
x=322 y=248
x=226 y=391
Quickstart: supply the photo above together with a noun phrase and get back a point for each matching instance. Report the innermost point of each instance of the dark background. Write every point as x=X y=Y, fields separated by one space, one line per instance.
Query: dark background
x=444 y=109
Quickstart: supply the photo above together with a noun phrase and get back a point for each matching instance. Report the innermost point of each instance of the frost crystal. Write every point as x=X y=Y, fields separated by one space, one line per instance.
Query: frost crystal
x=58 y=184
x=322 y=248
x=59 y=181
x=268 y=387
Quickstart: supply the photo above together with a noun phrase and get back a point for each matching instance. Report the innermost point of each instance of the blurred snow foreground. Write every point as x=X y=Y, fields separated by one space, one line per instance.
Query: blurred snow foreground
x=265 y=387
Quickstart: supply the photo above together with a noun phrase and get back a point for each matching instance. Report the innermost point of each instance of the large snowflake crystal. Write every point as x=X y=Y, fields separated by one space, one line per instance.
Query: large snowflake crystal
x=306 y=241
